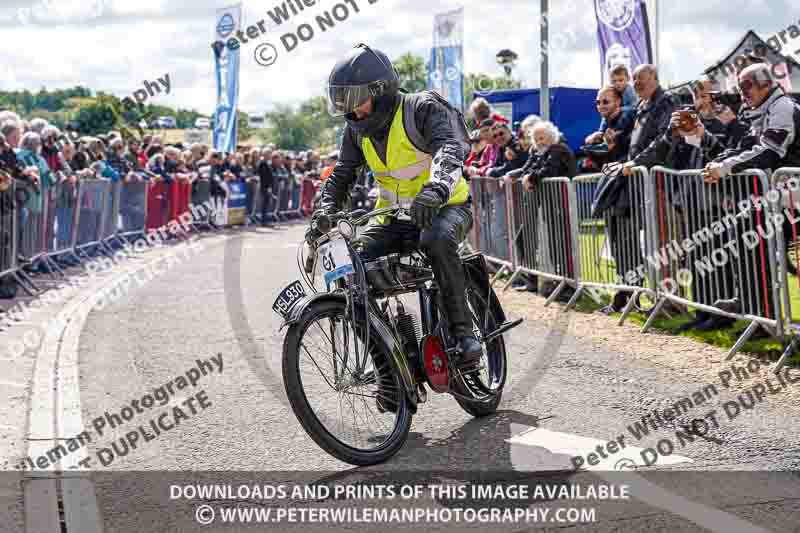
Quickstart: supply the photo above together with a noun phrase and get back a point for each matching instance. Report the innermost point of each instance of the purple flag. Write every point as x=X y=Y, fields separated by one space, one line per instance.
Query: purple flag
x=623 y=34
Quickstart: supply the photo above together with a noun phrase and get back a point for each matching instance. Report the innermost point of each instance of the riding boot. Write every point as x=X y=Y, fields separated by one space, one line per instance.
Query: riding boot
x=440 y=243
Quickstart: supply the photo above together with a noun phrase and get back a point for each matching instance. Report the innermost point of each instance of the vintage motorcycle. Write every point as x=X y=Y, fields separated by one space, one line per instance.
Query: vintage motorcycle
x=355 y=357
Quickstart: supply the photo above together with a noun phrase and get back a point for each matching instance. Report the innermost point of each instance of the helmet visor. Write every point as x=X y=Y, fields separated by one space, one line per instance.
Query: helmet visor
x=344 y=99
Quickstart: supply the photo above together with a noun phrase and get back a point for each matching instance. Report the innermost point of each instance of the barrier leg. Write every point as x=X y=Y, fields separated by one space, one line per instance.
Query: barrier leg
x=26 y=283
x=514 y=277
x=54 y=267
x=41 y=265
x=105 y=249
x=555 y=293
x=574 y=300
x=653 y=314
x=628 y=308
x=743 y=339
x=497 y=274
x=793 y=345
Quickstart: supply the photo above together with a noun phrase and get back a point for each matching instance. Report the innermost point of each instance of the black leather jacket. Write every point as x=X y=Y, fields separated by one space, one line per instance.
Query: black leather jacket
x=431 y=120
x=652 y=120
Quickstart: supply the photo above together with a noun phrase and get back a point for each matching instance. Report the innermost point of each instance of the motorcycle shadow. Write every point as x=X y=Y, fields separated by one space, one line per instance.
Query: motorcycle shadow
x=477 y=453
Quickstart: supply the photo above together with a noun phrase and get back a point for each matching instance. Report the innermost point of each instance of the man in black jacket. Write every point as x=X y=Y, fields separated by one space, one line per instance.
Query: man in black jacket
x=772 y=142
x=413 y=149
x=653 y=115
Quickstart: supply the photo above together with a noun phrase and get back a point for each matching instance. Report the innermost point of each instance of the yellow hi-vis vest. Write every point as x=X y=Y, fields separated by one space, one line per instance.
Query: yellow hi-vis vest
x=406 y=169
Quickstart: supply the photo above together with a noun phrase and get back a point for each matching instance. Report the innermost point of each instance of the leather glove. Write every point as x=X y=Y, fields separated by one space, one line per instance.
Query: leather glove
x=425 y=207
x=312 y=233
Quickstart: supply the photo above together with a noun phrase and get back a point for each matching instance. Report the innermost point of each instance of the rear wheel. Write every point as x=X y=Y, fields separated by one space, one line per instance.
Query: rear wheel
x=354 y=409
x=485 y=381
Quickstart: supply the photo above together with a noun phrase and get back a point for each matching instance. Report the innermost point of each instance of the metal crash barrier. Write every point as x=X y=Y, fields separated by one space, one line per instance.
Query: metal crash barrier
x=201 y=199
x=253 y=200
x=785 y=204
x=9 y=236
x=612 y=248
x=95 y=202
x=715 y=248
x=726 y=249
x=307 y=195
x=132 y=209
x=543 y=233
x=490 y=228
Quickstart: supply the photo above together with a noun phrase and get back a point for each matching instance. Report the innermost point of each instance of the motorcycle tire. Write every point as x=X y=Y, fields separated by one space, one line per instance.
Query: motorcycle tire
x=293 y=348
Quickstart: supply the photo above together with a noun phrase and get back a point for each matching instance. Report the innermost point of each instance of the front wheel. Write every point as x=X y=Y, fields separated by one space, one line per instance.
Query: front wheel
x=485 y=381
x=353 y=408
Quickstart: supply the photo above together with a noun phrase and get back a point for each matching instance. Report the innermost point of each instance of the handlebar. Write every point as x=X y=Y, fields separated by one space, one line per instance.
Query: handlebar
x=358 y=217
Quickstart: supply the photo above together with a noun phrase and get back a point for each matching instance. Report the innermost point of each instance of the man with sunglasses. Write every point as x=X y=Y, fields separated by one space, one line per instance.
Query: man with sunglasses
x=415 y=148
x=613 y=137
x=773 y=139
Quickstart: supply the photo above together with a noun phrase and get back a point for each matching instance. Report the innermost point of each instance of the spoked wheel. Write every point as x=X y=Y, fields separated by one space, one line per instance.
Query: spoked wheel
x=485 y=381
x=354 y=409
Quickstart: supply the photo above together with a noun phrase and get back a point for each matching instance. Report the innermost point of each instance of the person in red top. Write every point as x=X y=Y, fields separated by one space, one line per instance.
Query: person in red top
x=332 y=158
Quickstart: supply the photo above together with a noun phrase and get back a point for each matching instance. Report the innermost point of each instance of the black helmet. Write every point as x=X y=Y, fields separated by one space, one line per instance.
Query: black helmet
x=363 y=74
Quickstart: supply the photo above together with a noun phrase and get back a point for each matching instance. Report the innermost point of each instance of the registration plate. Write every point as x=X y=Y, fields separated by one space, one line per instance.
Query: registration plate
x=333 y=260
x=289 y=296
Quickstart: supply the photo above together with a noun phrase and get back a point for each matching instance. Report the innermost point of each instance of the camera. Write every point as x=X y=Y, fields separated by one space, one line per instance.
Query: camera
x=688 y=119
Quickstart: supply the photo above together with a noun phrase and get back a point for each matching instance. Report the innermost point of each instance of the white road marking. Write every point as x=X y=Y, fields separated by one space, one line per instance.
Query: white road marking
x=552 y=450
x=556 y=450
x=12 y=384
x=55 y=409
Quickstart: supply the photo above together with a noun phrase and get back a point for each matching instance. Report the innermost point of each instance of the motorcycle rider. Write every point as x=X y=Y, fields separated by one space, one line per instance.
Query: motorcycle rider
x=385 y=129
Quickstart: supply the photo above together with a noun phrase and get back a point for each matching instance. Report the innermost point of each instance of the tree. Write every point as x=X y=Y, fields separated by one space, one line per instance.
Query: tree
x=95 y=118
x=288 y=128
x=243 y=129
x=413 y=72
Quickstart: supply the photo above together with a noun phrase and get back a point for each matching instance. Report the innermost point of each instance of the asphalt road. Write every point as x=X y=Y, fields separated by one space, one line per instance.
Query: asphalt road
x=562 y=389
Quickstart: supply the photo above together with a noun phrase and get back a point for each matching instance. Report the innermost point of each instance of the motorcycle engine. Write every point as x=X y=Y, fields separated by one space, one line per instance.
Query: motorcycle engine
x=408 y=330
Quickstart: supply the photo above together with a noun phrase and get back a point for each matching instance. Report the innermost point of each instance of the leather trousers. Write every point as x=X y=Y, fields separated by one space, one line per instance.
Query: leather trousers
x=440 y=244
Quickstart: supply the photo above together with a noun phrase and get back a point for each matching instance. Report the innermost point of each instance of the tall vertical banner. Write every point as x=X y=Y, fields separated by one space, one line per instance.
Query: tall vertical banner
x=623 y=34
x=228 y=22
x=445 y=69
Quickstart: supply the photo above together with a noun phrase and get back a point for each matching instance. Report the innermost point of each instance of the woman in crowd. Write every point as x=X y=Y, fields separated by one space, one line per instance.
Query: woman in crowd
x=115 y=157
x=95 y=149
x=29 y=154
x=172 y=163
x=554 y=157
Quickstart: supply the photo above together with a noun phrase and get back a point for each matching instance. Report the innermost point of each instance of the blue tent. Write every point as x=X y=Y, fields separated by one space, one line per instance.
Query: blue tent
x=572 y=110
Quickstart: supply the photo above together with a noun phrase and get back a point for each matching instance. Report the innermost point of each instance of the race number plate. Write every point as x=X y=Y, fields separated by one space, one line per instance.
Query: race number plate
x=289 y=296
x=333 y=260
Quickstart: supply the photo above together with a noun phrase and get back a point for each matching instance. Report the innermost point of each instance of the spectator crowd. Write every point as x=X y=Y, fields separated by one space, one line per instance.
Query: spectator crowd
x=642 y=124
x=36 y=157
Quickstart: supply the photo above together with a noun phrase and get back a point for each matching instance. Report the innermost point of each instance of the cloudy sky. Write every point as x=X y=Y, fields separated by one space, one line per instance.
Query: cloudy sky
x=113 y=45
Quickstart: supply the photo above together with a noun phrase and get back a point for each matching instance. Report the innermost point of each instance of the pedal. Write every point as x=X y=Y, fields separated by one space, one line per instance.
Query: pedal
x=505 y=327
x=423 y=394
